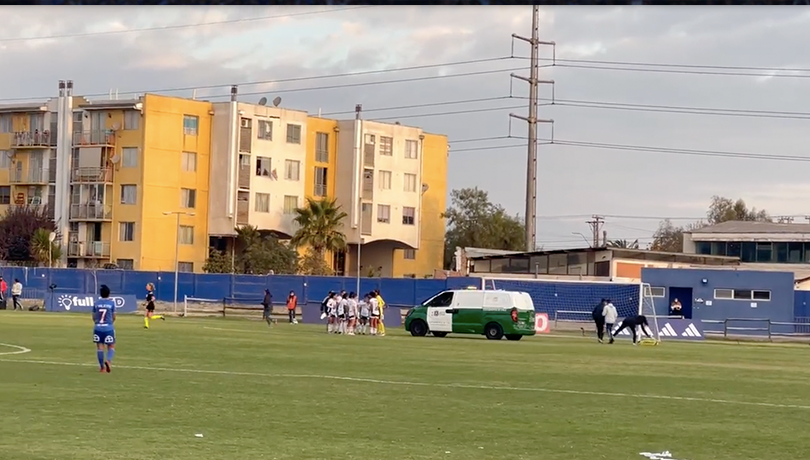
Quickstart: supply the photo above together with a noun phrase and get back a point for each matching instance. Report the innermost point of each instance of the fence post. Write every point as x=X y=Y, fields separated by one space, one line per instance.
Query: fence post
x=770 y=338
x=725 y=328
x=555 y=319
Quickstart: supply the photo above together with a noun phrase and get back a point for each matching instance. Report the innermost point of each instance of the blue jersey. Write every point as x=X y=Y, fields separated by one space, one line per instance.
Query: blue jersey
x=103 y=313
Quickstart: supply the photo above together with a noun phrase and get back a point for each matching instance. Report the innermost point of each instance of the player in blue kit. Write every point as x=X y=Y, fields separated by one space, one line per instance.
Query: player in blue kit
x=104 y=329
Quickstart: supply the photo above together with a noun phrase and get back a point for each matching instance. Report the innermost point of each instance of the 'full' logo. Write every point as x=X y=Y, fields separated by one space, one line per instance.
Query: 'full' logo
x=68 y=301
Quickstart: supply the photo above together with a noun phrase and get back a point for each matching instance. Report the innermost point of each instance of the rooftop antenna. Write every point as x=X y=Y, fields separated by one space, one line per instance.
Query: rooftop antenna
x=276 y=101
x=319 y=112
x=194 y=94
x=263 y=101
x=233 y=93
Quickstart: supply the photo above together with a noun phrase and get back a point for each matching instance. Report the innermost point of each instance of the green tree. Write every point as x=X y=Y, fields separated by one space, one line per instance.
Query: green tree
x=623 y=244
x=17 y=227
x=320 y=228
x=42 y=249
x=313 y=264
x=257 y=253
x=474 y=221
x=722 y=209
x=217 y=262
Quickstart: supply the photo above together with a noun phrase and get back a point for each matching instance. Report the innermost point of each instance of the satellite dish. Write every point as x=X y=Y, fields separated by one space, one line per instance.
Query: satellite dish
x=276 y=101
x=52 y=237
x=116 y=126
x=263 y=101
x=425 y=188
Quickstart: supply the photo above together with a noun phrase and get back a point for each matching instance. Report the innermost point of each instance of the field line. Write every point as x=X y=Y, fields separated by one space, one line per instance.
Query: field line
x=427 y=384
x=20 y=350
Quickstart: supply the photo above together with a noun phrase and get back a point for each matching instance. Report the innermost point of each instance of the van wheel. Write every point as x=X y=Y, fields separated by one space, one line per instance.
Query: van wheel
x=439 y=334
x=514 y=337
x=493 y=331
x=418 y=328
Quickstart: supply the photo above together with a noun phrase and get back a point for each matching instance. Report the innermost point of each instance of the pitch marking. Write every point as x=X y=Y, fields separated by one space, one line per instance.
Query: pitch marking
x=233 y=330
x=425 y=384
x=20 y=350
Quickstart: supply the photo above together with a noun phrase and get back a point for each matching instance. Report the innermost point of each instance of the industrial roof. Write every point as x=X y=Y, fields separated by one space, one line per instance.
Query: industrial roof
x=753 y=227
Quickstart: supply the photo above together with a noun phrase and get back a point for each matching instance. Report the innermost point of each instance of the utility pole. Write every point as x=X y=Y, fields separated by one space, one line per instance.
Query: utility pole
x=531 y=165
x=596 y=227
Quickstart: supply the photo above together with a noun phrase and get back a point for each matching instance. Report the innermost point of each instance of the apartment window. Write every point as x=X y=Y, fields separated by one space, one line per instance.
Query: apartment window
x=5 y=160
x=386 y=146
x=383 y=213
x=6 y=124
x=743 y=294
x=188 y=198
x=408 y=216
x=185 y=267
x=262 y=202
x=411 y=149
x=320 y=181
x=290 y=204
x=5 y=194
x=293 y=134
x=188 y=161
x=292 y=170
x=409 y=182
x=655 y=292
x=126 y=231
x=409 y=254
x=322 y=147
x=265 y=130
x=190 y=125
x=263 y=165
x=129 y=194
x=186 y=234
x=129 y=157
x=385 y=180
x=132 y=120
x=125 y=264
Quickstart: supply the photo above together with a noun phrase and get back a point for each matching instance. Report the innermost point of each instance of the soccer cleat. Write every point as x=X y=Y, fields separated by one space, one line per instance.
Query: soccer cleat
x=103 y=370
x=107 y=367
x=163 y=317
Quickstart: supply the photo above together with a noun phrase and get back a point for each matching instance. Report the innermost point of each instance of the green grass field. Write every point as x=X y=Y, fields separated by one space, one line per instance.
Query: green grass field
x=294 y=392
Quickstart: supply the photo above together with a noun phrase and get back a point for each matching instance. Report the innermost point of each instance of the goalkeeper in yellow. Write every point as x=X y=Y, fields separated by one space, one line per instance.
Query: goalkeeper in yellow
x=381 y=303
x=150 y=306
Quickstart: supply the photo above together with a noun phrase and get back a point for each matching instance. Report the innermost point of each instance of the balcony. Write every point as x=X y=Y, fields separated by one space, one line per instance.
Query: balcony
x=244 y=177
x=36 y=139
x=95 y=212
x=368 y=185
x=245 y=139
x=242 y=212
x=368 y=155
x=34 y=176
x=91 y=175
x=95 y=138
x=365 y=224
x=91 y=249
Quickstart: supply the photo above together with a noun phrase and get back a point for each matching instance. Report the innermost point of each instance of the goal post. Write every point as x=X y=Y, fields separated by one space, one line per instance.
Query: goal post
x=646 y=307
x=195 y=306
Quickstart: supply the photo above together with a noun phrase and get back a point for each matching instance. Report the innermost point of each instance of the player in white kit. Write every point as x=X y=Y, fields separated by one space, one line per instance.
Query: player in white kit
x=375 y=313
x=331 y=311
x=342 y=308
x=351 y=313
x=365 y=313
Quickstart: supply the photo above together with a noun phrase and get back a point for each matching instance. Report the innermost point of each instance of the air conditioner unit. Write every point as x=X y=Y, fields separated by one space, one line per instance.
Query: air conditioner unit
x=245 y=123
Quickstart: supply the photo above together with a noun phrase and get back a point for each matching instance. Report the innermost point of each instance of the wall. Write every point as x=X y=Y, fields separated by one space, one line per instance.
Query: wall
x=125 y=175
x=220 y=222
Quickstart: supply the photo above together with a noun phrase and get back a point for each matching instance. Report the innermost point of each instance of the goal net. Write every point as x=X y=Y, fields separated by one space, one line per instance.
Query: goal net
x=572 y=302
x=193 y=306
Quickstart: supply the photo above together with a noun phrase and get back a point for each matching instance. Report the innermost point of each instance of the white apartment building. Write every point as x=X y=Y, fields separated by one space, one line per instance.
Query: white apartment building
x=257 y=168
x=379 y=185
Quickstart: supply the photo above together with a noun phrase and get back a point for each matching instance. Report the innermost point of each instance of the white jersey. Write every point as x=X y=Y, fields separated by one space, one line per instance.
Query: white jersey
x=330 y=306
x=610 y=314
x=365 y=310
x=375 y=307
x=352 y=308
x=342 y=307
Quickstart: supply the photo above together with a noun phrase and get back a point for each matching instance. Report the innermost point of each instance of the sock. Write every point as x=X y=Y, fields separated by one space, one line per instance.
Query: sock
x=100 y=356
x=157 y=316
x=110 y=354
x=146 y=322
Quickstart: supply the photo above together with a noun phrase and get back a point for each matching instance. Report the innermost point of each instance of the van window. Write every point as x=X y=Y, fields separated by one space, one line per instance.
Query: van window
x=445 y=299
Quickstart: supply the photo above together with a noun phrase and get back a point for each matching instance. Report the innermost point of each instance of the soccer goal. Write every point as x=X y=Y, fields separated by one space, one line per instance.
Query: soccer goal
x=193 y=306
x=573 y=301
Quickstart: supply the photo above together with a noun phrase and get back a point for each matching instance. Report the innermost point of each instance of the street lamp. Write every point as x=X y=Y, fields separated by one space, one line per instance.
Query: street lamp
x=177 y=249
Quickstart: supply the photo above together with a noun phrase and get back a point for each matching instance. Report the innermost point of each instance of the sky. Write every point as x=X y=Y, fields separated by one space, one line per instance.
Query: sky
x=613 y=64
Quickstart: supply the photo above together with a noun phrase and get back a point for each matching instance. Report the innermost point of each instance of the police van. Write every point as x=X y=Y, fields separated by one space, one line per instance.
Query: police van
x=494 y=314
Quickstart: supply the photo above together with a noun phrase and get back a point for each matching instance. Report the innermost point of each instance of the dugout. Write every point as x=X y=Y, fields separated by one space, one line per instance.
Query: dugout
x=711 y=296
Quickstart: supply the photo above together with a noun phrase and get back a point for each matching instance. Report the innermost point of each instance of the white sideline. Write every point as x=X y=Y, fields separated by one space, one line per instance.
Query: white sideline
x=425 y=384
x=20 y=350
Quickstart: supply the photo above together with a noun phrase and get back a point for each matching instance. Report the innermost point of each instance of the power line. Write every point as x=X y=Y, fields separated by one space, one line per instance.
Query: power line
x=673 y=65
x=177 y=26
x=416 y=106
x=685 y=72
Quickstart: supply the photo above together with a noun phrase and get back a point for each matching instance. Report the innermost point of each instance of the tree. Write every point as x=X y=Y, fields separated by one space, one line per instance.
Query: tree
x=473 y=221
x=724 y=209
x=314 y=264
x=17 y=227
x=257 y=253
x=623 y=244
x=217 y=262
x=320 y=225
x=43 y=250
x=668 y=238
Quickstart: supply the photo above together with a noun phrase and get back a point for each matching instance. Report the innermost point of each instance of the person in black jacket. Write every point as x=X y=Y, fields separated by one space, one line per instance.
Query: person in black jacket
x=632 y=323
x=599 y=320
x=267 y=302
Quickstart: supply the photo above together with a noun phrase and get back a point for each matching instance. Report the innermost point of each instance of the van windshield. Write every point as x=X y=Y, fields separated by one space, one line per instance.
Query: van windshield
x=443 y=299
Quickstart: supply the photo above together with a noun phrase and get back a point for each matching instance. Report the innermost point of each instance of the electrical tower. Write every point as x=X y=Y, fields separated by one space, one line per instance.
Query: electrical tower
x=531 y=120
x=596 y=227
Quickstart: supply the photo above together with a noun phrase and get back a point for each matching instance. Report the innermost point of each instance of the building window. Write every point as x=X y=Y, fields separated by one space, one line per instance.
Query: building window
x=386 y=146
x=408 y=216
x=293 y=134
x=185 y=267
x=125 y=264
x=320 y=181
x=654 y=291
x=409 y=182
x=412 y=149
x=743 y=294
x=322 y=147
x=385 y=180
x=263 y=165
x=6 y=124
x=132 y=120
x=129 y=157
x=292 y=169
x=290 y=204
x=129 y=194
x=383 y=213
x=188 y=161
x=188 y=198
x=126 y=231
x=186 y=234
x=5 y=194
x=409 y=254
x=5 y=159
x=265 y=130
x=190 y=125
x=262 y=202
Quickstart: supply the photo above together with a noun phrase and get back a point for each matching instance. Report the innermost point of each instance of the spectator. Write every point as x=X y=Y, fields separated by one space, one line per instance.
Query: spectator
x=676 y=308
x=599 y=319
x=292 y=304
x=16 y=292
x=3 y=291
x=266 y=303
x=611 y=315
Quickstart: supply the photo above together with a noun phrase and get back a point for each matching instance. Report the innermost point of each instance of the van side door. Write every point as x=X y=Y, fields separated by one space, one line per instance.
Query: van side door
x=467 y=312
x=440 y=312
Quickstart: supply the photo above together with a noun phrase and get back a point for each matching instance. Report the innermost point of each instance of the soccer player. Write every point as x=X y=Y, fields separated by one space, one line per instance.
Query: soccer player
x=352 y=313
x=104 y=329
x=342 y=307
x=365 y=313
x=610 y=314
x=331 y=311
x=375 y=312
x=632 y=323
x=599 y=319
x=381 y=304
x=150 y=306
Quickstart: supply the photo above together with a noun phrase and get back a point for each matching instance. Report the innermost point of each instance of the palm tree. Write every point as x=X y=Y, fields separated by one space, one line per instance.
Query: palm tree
x=41 y=244
x=623 y=244
x=319 y=226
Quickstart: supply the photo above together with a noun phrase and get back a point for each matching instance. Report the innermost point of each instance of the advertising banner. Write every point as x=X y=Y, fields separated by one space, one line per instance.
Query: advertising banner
x=671 y=329
x=541 y=324
x=83 y=303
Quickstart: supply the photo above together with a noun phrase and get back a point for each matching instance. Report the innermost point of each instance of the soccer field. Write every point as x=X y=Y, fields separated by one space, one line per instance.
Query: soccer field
x=294 y=392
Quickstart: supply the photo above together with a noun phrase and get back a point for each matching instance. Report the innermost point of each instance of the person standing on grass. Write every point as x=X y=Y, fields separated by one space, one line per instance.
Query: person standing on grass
x=3 y=291
x=16 y=292
x=104 y=329
x=150 y=306
x=331 y=311
x=632 y=323
x=365 y=314
x=292 y=304
x=352 y=313
x=381 y=304
x=611 y=315
x=375 y=312
x=267 y=302
x=599 y=319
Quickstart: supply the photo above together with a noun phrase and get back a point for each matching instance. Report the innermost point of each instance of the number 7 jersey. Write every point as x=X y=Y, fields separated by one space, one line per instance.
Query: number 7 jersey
x=103 y=314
